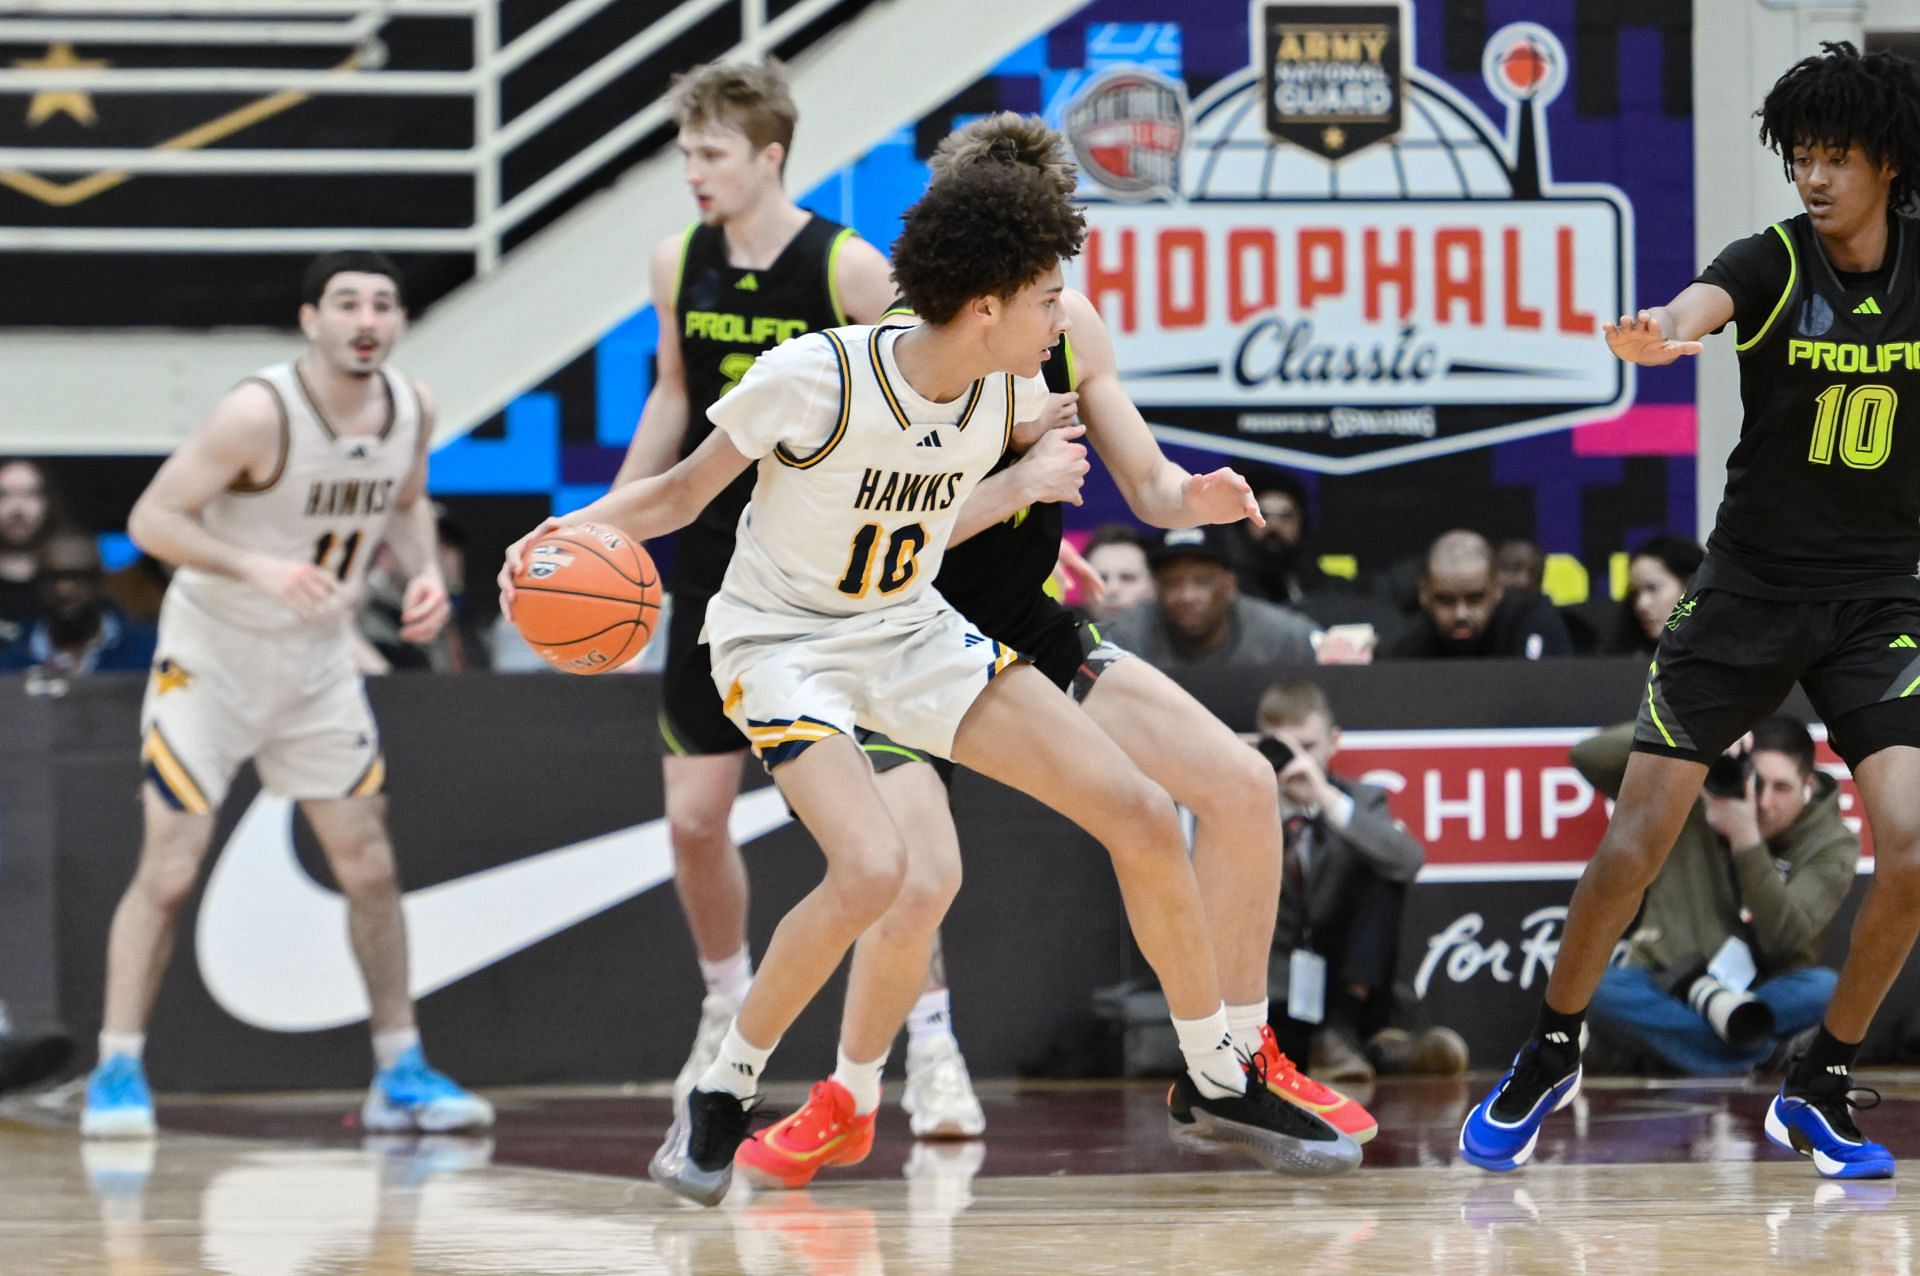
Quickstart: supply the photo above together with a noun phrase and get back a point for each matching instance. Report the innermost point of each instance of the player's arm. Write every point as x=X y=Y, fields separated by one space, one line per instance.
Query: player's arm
x=644 y=508
x=1665 y=333
x=239 y=444
x=663 y=420
x=863 y=281
x=1160 y=493
x=1051 y=470
x=414 y=537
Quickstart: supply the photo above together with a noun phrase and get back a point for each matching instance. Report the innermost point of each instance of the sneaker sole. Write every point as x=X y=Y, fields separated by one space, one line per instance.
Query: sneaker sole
x=117 y=1125
x=693 y=1184
x=1781 y=1137
x=798 y=1176
x=1507 y=1165
x=944 y=1130
x=1209 y=1134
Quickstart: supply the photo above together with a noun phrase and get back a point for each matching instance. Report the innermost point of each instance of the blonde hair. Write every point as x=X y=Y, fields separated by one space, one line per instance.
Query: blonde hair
x=1288 y=704
x=753 y=98
x=1007 y=138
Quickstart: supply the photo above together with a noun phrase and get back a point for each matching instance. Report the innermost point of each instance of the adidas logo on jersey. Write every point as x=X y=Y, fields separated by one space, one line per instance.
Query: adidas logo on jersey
x=932 y=440
x=751 y=283
x=1867 y=307
x=1558 y=1038
x=1904 y=640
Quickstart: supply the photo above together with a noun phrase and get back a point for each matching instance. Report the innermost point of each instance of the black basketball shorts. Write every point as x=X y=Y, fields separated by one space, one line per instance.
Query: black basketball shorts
x=1072 y=654
x=692 y=722
x=1728 y=660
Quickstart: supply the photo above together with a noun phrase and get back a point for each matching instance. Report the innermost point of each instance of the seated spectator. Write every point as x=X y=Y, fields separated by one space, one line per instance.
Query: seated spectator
x=1465 y=612
x=1199 y=616
x=79 y=631
x=28 y=515
x=1658 y=577
x=1747 y=894
x=1521 y=568
x=1346 y=868
x=1278 y=563
x=1118 y=555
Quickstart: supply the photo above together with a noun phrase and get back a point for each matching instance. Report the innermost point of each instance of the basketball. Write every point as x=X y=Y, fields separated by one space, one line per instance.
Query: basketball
x=587 y=599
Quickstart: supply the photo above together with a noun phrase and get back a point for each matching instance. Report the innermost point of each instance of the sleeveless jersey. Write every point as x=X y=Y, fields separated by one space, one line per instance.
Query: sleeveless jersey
x=860 y=479
x=327 y=502
x=728 y=317
x=1823 y=489
x=996 y=577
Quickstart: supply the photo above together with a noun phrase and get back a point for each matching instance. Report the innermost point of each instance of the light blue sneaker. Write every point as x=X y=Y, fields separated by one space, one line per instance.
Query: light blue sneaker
x=411 y=1096
x=1817 y=1122
x=119 y=1105
x=1500 y=1132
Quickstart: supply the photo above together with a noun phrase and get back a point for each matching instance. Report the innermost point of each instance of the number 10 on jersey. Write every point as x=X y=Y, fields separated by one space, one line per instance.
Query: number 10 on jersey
x=898 y=566
x=1860 y=418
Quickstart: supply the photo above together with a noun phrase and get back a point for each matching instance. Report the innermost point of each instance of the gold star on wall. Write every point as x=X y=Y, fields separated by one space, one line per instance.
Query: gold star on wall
x=72 y=102
x=1334 y=137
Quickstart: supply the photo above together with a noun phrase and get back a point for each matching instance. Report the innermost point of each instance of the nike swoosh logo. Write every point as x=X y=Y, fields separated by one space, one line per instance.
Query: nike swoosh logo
x=272 y=942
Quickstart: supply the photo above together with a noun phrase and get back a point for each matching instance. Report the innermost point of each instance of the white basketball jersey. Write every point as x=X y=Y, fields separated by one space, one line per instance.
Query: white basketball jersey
x=328 y=502
x=860 y=479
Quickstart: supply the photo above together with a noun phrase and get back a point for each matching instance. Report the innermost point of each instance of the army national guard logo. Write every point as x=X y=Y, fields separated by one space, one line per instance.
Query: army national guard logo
x=1330 y=74
x=1395 y=276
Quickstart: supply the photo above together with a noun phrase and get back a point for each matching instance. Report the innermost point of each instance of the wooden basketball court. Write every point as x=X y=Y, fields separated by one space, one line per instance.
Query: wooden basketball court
x=1638 y=1177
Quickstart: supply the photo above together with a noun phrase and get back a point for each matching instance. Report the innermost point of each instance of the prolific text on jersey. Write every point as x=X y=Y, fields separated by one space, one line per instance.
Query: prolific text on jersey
x=1850 y=356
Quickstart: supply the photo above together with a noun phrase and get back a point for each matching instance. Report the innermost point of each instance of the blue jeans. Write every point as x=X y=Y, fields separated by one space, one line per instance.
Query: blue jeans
x=1631 y=1006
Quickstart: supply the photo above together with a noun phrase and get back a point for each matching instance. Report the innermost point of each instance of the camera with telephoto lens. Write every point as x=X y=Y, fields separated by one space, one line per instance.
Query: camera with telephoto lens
x=1276 y=751
x=1740 y=1019
x=1727 y=775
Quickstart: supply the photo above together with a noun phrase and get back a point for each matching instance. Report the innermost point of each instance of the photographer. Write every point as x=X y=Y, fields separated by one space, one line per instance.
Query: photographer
x=1720 y=971
x=1345 y=874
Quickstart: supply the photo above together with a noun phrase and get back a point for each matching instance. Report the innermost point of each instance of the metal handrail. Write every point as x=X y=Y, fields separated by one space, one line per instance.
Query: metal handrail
x=348 y=23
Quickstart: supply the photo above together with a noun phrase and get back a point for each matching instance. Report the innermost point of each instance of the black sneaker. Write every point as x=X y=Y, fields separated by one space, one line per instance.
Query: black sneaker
x=716 y=1125
x=1259 y=1124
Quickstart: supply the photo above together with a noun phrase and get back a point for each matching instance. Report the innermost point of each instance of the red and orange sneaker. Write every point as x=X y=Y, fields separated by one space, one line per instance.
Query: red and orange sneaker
x=823 y=1132
x=1297 y=1088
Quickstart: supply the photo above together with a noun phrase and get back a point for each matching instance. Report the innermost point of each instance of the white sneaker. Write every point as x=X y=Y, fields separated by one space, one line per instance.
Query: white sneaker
x=716 y=1016
x=939 y=1094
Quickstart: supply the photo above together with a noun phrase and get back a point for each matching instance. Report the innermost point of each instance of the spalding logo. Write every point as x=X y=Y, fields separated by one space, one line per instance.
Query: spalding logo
x=586 y=660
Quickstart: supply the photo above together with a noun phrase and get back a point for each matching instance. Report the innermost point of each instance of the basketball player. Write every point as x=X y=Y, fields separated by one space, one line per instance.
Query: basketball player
x=826 y=618
x=1809 y=577
x=994 y=576
x=270 y=512
x=752 y=271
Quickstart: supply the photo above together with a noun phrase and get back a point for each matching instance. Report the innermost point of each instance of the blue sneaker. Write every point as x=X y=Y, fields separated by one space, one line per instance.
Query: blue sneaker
x=1816 y=1121
x=119 y=1105
x=411 y=1096
x=1499 y=1134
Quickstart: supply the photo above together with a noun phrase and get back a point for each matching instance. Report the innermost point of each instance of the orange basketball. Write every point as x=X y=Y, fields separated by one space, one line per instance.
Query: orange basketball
x=586 y=599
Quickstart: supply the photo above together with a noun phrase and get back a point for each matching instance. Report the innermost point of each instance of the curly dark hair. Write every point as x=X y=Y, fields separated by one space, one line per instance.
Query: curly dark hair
x=1839 y=97
x=983 y=230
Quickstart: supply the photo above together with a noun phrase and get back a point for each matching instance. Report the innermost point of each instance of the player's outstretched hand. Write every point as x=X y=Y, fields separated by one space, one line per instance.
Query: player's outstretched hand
x=1640 y=339
x=425 y=608
x=517 y=559
x=1056 y=466
x=1061 y=410
x=1222 y=497
x=309 y=592
x=1073 y=565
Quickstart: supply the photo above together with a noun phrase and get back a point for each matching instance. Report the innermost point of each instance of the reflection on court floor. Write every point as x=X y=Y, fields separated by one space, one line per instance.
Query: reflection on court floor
x=1642 y=1178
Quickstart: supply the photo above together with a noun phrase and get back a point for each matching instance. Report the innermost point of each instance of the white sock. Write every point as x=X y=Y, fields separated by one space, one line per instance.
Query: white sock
x=389 y=1046
x=737 y=1068
x=730 y=976
x=1207 y=1046
x=930 y=1020
x=862 y=1081
x=130 y=1044
x=1245 y=1022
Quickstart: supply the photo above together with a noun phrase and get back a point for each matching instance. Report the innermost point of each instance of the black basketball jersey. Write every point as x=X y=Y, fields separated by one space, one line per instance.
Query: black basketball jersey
x=729 y=316
x=1823 y=489
x=995 y=578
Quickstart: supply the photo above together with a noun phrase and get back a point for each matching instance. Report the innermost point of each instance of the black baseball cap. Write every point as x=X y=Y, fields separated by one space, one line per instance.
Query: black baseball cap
x=1208 y=542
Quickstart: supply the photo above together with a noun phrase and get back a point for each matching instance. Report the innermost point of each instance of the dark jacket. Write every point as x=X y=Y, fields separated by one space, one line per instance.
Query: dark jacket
x=1372 y=842
x=1793 y=885
x=1524 y=625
